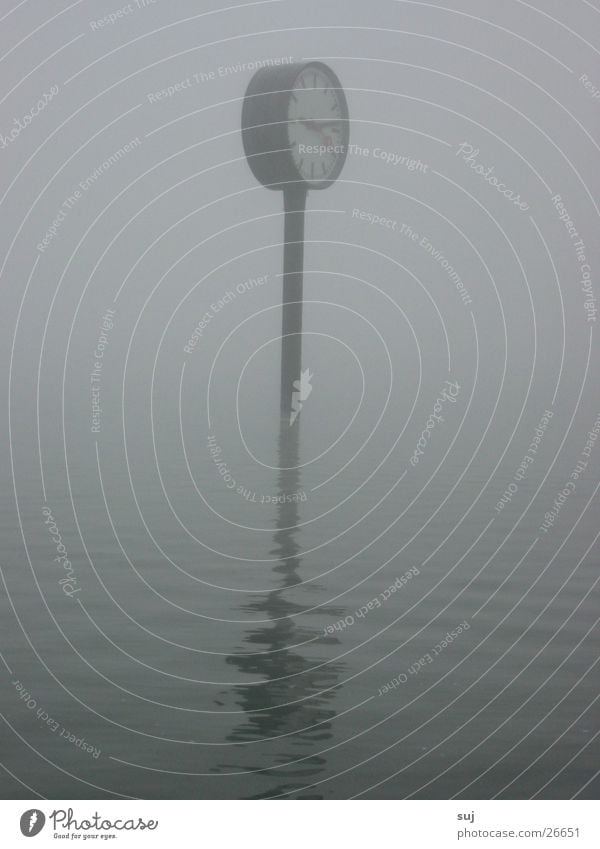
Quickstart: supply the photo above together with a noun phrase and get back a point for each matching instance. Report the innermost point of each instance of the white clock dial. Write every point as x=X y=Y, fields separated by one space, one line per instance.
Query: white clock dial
x=316 y=130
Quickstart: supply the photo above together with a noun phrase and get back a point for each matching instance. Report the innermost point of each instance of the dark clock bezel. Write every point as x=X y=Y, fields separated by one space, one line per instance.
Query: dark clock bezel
x=265 y=126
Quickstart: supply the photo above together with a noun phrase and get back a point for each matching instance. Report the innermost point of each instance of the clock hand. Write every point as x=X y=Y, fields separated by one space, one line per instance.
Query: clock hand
x=312 y=125
x=315 y=124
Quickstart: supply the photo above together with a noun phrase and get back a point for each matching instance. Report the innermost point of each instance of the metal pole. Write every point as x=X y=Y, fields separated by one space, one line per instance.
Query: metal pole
x=294 y=198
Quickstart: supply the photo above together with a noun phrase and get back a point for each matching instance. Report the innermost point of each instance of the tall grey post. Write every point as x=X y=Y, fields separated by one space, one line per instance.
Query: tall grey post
x=291 y=322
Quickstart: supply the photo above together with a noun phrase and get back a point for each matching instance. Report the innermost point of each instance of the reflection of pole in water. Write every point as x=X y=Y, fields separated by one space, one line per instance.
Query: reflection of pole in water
x=286 y=545
x=282 y=705
x=294 y=198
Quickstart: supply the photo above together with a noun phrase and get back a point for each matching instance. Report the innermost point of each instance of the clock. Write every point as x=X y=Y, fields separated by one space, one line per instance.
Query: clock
x=295 y=126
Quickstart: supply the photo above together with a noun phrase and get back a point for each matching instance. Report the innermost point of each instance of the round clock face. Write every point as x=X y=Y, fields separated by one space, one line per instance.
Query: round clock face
x=317 y=131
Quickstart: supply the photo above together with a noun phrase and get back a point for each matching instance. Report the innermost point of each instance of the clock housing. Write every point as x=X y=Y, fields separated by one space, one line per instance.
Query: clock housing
x=269 y=137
